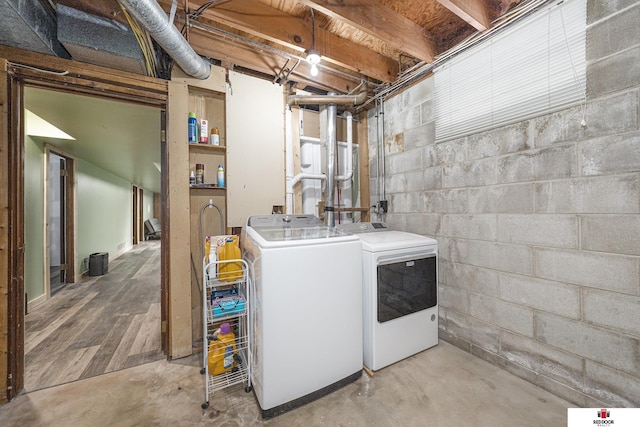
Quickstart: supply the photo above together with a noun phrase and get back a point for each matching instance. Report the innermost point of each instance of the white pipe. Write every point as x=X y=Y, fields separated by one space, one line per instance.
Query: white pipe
x=292 y=180
x=349 y=173
x=296 y=179
x=289 y=161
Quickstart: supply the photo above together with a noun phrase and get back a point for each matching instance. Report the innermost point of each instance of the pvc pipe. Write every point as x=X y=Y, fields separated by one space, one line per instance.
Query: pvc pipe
x=349 y=171
x=288 y=161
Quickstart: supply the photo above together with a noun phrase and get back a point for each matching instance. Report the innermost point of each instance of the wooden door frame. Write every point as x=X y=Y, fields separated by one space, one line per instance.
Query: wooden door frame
x=70 y=218
x=19 y=68
x=140 y=225
x=135 y=213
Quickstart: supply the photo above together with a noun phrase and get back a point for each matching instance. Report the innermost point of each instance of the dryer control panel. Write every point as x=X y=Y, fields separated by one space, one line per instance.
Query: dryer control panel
x=363 y=227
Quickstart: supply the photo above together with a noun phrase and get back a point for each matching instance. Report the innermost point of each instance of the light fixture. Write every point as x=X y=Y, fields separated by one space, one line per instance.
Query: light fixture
x=313 y=56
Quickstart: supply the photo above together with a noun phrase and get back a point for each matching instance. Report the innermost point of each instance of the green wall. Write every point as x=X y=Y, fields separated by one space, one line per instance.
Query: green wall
x=104 y=213
x=33 y=218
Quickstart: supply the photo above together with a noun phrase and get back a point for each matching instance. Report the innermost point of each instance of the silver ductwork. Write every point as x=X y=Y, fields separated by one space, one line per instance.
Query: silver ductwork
x=332 y=147
x=355 y=99
x=151 y=16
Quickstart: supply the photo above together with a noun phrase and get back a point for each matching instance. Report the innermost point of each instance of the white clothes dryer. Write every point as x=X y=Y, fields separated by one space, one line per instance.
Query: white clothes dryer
x=400 y=293
x=305 y=310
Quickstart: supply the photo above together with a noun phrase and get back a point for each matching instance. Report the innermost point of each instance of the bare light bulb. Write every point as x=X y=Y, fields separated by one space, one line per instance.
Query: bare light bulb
x=313 y=58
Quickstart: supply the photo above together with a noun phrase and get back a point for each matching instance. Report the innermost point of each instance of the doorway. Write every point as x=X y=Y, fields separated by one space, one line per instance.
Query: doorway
x=60 y=221
x=86 y=325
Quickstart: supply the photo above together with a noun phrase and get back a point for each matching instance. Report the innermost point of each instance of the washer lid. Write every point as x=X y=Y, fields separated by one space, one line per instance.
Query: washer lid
x=390 y=240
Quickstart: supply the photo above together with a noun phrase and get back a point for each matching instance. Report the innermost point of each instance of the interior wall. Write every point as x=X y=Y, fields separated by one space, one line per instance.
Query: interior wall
x=147 y=205
x=537 y=224
x=104 y=209
x=34 y=212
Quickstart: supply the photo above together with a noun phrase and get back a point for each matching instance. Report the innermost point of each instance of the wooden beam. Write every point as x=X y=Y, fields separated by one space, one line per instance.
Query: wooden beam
x=267 y=62
x=474 y=12
x=95 y=78
x=5 y=273
x=265 y=22
x=380 y=22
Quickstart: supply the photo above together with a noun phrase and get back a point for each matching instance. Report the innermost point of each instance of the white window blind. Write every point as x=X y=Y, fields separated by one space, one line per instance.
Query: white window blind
x=531 y=68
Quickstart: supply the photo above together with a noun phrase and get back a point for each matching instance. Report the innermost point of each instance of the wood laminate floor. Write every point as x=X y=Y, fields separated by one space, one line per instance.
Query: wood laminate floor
x=100 y=324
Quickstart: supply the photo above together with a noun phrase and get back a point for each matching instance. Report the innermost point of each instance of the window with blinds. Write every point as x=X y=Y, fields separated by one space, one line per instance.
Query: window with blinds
x=532 y=67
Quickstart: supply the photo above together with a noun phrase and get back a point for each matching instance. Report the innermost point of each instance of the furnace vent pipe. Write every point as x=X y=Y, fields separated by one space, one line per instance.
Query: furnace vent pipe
x=151 y=16
x=356 y=99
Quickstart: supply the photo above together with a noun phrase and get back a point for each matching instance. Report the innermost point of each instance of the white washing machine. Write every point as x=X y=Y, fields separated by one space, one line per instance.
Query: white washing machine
x=400 y=291
x=306 y=309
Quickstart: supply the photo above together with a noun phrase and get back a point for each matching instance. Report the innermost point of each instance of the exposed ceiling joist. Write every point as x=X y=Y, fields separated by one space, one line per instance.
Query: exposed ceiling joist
x=378 y=20
x=265 y=22
x=474 y=12
x=266 y=62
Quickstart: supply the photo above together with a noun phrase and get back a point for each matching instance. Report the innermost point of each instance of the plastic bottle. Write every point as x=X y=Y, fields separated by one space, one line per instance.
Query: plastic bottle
x=220 y=176
x=193 y=128
x=192 y=178
x=222 y=351
x=230 y=251
x=215 y=137
x=204 y=131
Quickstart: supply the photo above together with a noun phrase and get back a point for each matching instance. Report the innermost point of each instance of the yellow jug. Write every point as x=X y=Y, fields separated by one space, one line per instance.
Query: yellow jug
x=229 y=271
x=222 y=351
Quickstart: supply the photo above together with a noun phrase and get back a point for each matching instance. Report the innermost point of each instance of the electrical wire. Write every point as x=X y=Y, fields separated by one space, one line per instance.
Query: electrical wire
x=144 y=41
x=55 y=73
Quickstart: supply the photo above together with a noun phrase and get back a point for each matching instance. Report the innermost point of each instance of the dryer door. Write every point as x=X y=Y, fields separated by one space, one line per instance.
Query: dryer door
x=406 y=286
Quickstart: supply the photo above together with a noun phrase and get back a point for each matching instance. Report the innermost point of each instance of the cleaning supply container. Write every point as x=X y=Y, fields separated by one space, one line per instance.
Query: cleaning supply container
x=193 y=128
x=230 y=251
x=220 y=175
x=222 y=351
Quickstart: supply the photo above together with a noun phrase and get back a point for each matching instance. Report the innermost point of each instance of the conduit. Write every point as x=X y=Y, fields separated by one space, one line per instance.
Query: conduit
x=151 y=16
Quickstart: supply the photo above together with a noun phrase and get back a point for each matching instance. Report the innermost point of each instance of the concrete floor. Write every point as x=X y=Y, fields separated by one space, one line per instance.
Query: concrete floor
x=442 y=386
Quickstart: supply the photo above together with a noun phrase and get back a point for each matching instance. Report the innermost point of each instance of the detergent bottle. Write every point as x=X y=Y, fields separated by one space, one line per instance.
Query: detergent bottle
x=230 y=251
x=222 y=351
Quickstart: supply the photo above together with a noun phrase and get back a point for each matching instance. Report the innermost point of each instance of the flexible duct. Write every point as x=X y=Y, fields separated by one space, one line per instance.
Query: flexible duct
x=151 y=16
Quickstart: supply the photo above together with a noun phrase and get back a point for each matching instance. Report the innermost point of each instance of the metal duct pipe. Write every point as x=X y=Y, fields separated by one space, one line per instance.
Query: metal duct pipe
x=329 y=214
x=151 y=16
x=331 y=98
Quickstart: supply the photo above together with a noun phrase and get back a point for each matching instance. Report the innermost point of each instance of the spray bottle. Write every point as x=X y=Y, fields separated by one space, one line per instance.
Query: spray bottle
x=220 y=176
x=193 y=128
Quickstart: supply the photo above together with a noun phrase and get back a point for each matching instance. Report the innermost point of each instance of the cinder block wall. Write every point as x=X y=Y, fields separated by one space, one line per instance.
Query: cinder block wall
x=538 y=224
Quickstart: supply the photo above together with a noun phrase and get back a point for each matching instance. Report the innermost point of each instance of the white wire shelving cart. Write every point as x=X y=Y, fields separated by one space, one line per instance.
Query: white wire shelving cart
x=226 y=300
